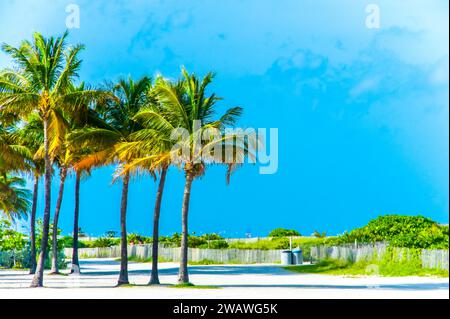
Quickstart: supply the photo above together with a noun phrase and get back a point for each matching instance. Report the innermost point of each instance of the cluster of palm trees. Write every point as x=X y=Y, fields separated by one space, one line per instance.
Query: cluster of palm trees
x=49 y=124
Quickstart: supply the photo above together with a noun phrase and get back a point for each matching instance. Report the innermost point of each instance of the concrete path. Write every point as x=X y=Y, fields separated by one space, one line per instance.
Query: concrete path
x=232 y=281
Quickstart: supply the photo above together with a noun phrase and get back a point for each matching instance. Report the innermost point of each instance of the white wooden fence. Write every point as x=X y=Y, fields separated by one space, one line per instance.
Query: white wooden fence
x=433 y=259
x=240 y=256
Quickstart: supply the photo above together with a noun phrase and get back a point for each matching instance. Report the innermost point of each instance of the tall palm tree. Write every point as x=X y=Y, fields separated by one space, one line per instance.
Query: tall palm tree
x=185 y=105
x=32 y=137
x=118 y=116
x=14 y=197
x=63 y=168
x=45 y=68
x=145 y=146
x=76 y=155
x=75 y=268
x=70 y=156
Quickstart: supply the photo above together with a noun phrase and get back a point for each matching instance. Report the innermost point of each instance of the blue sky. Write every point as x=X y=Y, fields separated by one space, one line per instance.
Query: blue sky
x=362 y=113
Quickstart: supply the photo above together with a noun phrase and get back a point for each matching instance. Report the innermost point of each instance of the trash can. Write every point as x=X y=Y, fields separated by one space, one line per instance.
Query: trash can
x=297 y=257
x=286 y=257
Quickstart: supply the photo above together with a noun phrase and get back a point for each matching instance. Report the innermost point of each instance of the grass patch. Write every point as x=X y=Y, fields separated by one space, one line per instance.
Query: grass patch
x=192 y=286
x=204 y=262
x=366 y=268
x=144 y=260
x=127 y=286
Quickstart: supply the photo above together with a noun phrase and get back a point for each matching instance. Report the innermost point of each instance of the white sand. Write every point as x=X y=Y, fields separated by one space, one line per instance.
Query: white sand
x=234 y=282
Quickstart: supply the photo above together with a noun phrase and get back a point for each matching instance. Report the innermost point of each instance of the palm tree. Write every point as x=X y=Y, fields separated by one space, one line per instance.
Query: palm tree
x=32 y=137
x=14 y=197
x=185 y=105
x=80 y=172
x=145 y=146
x=85 y=116
x=62 y=179
x=103 y=142
x=45 y=68
x=17 y=155
x=75 y=268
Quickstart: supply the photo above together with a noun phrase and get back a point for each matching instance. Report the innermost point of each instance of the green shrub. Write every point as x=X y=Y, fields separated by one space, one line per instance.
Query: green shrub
x=204 y=262
x=171 y=241
x=390 y=265
x=282 y=232
x=10 y=239
x=401 y=231
x=103 y=242
x=212 y=236
x=195 y=242
x=215 y=244
x=15 y=249
x=212 y=241
x=137 y=239
x=318 y=234
x=111 y=234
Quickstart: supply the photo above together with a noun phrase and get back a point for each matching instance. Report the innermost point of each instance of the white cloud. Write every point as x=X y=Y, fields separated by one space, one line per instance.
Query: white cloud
x=366 y=85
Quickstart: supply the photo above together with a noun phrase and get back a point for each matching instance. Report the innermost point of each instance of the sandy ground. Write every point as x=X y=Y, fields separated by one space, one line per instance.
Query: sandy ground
x=232 y=282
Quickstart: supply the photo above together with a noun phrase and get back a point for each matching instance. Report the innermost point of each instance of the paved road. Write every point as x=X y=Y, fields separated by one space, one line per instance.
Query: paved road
x=232 y=281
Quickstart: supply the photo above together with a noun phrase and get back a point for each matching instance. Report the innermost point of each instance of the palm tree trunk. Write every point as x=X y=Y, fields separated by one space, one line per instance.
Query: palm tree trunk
x=75 y=261
x=33 y=226
x=154 y=279
x=62 y=176
x=123 y=276
x=183 y=276
x=38 y=279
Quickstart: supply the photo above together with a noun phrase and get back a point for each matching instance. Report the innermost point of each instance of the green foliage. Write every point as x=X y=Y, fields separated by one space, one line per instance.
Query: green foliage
x=317 y=234
x=15 y=248
x=401 y=231
x=171 y=241
x=137 y=259
x=111 y=234
x=103 y=242
x=192 y=286
x=10 y=240
x=282 y=232
x=137 y=239
x=67 y=242
x=215 y=244
x=211 y=241
x=14 y=197
x=204 y=262
x=387 y=267
x=61 y=257
x=14 y=251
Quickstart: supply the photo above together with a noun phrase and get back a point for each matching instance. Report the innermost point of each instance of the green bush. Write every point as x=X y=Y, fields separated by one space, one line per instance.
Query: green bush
x=214 y=244
x=9 y=238
x=212 y=241
x=281 y=232
x=171 y=241
x=137 y=239
x=401 y=231
x=195 y=242
x=15 y=249
x=212 y=236
x=67 y=242
x=103 y=242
